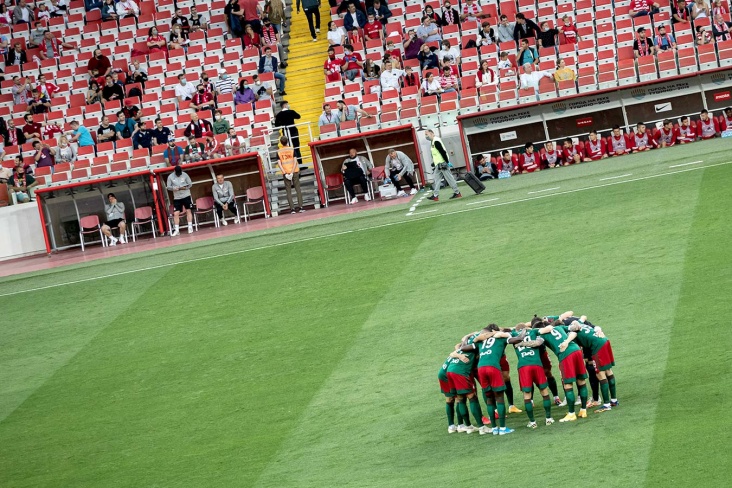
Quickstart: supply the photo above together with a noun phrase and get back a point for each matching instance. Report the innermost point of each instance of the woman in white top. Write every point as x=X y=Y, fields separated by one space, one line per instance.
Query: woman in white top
x=65 y=152
x=699 y=10
x=430 y=85
x=485 y=75
x=336 y=35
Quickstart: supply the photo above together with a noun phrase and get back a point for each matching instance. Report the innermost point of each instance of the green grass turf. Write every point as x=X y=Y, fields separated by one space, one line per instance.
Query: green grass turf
x=314 y=363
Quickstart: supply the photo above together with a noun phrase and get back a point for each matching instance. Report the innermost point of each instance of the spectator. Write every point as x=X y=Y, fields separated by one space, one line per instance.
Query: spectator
x=569 y=31
x=234 y=17
x=180 y=183
x=430 y=12
x=173 y=155
x=486 y=36
x=448 y=81
x=5 y=16
x=355 y=169
x=551 y=157
x=352 y=63
x=642 y=140
x=235 y=144
x=345 y=6
x=184 y=90
x=115 y=214
x=252 y=14
x=38 y=103
x=268 y=64
x=180 y=20
x=23 y=13
x=448 y=55
x=703 y=35
x=643 y=46
x=371 y=72
x=332 y=66
x=109 y=11
x=399 y=167
x=528 y=161
x=718 y=8
x=351 y=112
x=666 y=137
x=291 y=174
x=44 y=155
x=391 y=78
x=412 y=45
x=484 y=169
x=198 y=128
x=36 y=35
x=373 y=29
x=142 y=137
x=220 y=125
x=679 y=12
x=178 y=38
x=530 y=78
x=100 y=62
x=336 y=35
x=131 y=111
x=43 y=13
x=208 y=86
x=547 y=36
x=440 y=167
x=595 y=147
x=312 y=10
x=471 y=11
x=15 y=135
x=721 y=29
x=639 y=8
x=354 y=18
x=161 y=134
x=380 y=11
x=202 y=100
x=21 y=185
x=524 y=28
x=65 y=152
x=17 y=56
x=665 y=41
x=197 y=21
x=51 y=130
x=48 y=88
x=563 y=73
x=263 y=91
x=224 y=199
x=392 y=50
x=707 y=127
x=136 y=74
x=251 y=39
x=485 y=75
x=699 y=10
x=427 y=58
x=431 y=85
x=195 y=151
x=224 y=85
x=244 y=94
x=429 y=31
x=527 y=54
x=619 y=143
x=111 y=90
x=21 y=90
x=450 y=15
x=155 y=42
x=124 y=127
x=505 y=30
x=276 y=13
x=81 y=135
x=329 y=117
x=31 y=130
x=92 y=4
x=127 y=8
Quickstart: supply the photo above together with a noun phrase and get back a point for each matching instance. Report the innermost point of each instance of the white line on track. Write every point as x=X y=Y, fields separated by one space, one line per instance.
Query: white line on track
x=425 y=211
x=373 y=227
x=482 y=201
x=616 y=177
x=542 y=191
x=684 y=164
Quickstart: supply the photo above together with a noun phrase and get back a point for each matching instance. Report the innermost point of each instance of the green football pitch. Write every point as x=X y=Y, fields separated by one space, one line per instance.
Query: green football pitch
x=307 y=356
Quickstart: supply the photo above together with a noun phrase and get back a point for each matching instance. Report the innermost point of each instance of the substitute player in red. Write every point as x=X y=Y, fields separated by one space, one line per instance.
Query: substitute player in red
x=595 y=147
x=726 y=123
x=707 y=127
x=666 y=137
x=531 y=372
x=642 y=140
x=569 y=150
x=618 y=143
x=529 y=160
x=551 y=158
x=592 y=338
x=686 y=132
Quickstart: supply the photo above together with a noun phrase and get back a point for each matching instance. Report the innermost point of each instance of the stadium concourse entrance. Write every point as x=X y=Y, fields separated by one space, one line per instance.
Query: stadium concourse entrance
x=490 y=132
x=328 y=155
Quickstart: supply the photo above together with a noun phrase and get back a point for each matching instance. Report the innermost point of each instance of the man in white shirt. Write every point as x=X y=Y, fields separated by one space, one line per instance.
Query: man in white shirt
x=531 y=78
x=184 y=90
x=390 y=78
x=329 y=116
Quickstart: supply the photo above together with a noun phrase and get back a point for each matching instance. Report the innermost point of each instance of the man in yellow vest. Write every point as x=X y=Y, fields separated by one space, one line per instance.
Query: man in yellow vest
x=291 y=172
x=440 y=167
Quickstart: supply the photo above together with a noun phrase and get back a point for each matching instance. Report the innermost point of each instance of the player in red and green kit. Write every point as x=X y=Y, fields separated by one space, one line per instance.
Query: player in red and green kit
x=449 y=394
x=460 y=381
x=592 y=338
x=531 y=371
x=571 y=364
x=491 y=344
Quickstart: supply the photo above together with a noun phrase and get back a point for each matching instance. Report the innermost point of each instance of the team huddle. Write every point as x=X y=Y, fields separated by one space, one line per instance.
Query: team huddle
x=579 y=347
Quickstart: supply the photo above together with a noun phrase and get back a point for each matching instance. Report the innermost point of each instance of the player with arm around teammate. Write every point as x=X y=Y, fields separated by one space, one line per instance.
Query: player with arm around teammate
x=531 y=371
x=592 y=338
x=448 y=392
x=461 y=382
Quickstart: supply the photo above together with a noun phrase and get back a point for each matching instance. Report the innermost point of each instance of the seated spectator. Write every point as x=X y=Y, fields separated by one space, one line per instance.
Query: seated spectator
x=528 y=162
x=108 y=10
x=354 y=36
x=547 y=36
x=329 y=116
x=450 y=16
x=486 y=36
x=180 y=20
x=721 y=29
x=524 y=28
x=124 y=127
x=36 y=35
x=161 y=134
x=244 y=95
x=291 y=173
x=23 y=13
x=448 y=55
x=100 y=63
x=31 y=129
x=431 y=85
x=427 y=58
x=352 y=63
x=220 y=125
x=235 y=144
x=131 y=111
x=208 y=86
x=471 y=11
x=251 y=38
x=563 y=73
x=43 y=13
x=65 y=152
x=570 y=151
x=373 y=28
x=484 y=169
x=48 y=88
x=351 y=112
x=111 y=90
x=699 y=10
x=115 y=213
x=665 y=41
x=485 y=75
x=173 y=155
x=142 y=137
x=387 y=59
x=679 y=12
x=51 y=130
x=198 y=128
x=345 y=6
x=224 y=199
x=639 y=8
x=410 y=77
x=127 y=8
x=703 y=35
x=44 y=155
x=263 y=91
x=225 y=84
x=392 y=50
x=355 y=169
x=195 y=151
x=155 y=42
x=412 y=45
x=269 y=64
x=505 y=30
x=642 y=139
x=568 y=30
x=51 y=48
x=6 y=17
x=391 y=78
x=92 y=4
x=39 y=103
x=21 y=90
x=184 y=90
x=619 y=143
x=197 y=21
x=332 y=66
x=643 y=46
x=707 y=127
x=530 y=78
x=504 y=62
x=21 y=185
x=429 y=31
x=202 y=100
x=551 y=157
x=448 y=81
x=595 y=147
x=354 y=18
x=14 y=136
x=380 y=11
x=527 y=54
x=17 y=56
x=399 y=167
x=430 y=12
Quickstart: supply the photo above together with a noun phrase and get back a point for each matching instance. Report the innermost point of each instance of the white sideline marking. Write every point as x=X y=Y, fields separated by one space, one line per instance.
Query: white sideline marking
x=425 y=211
x=685 y=164
x=616 y=177
x=542 y=191
x=482 y=201
x=334 y=234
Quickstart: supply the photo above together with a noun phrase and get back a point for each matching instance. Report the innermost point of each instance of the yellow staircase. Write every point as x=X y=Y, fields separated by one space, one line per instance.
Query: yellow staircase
x=305 y=80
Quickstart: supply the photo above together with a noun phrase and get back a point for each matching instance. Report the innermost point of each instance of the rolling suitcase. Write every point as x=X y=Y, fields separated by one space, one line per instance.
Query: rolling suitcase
x=474 y=183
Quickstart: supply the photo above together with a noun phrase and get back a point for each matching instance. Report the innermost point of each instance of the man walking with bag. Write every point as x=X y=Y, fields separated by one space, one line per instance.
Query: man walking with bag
x=440 y=167
x=291 y=172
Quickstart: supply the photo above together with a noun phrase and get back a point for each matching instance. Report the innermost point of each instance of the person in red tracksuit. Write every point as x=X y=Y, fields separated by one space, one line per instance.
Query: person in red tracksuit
x=642 y=140
x=595 y=147
x=569 y=149
x=529 y=160
x=686 y=132
x=551 y=157
x=726 y=123
x=666 y=137
x=707 y=127
x=619 y=143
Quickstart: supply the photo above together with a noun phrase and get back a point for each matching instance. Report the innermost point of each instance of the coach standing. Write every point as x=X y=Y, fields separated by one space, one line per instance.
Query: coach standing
x=440 y=167
x=181 y=184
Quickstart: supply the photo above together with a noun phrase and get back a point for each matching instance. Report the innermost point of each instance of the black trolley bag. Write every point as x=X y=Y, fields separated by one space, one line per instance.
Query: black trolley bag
x=474 y=183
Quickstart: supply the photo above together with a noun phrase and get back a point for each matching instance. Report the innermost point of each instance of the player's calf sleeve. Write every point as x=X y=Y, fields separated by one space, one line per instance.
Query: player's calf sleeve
x=570 y=399
x=547 y=406
x=583 y=395
x=463 y=409
x=605 y=389
x=501 y=413
x=611 y=385
x=529 y=409
x=509 y=392
x=450 y=411
x=595 y=386
x=552 y=382
x=476 y=411
x=492 y=414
